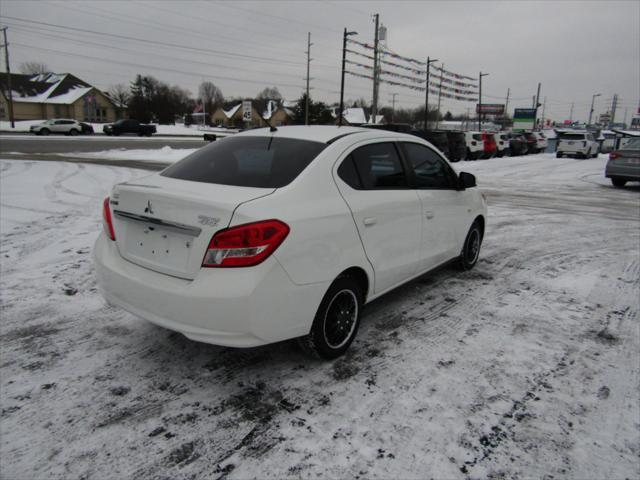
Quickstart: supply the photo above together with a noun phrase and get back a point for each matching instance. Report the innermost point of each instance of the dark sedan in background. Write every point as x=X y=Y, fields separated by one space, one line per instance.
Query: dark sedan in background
x=624 y=164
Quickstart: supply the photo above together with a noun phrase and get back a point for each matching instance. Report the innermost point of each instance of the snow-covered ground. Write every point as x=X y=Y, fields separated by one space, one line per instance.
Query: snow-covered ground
x=164 y=154
x=525 y=367
x=179 y=129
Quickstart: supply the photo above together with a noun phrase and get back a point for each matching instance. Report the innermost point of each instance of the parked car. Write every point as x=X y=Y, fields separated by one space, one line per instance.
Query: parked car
x=577 y=144
x=58 y=125
x=624 y=164
x=437 y=138
x=607 y=141
x=87 y=129
x=475 y=145
x=502 y=144
x=129 y=126
x=489 y=143
x=265 y=236
x=541 y=142
x=517 y=144
x=457 y=145
x=532 y=142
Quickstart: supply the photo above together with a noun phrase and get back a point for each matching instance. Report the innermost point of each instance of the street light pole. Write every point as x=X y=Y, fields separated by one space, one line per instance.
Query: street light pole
x=426 y=96
x=480 y=99
x=344 y=60
x=593 y=99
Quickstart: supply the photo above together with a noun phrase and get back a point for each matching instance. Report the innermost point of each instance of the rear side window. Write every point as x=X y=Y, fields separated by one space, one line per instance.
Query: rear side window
x=262 y=162
x=477 y=136
x=430 y=170
x=377 y=166
x=572 y=136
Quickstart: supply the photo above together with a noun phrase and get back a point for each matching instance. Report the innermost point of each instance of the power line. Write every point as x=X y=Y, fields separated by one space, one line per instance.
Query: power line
x=155 y=42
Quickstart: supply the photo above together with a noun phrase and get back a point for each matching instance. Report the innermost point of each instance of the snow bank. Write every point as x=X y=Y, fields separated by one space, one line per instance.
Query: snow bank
x=164 y=154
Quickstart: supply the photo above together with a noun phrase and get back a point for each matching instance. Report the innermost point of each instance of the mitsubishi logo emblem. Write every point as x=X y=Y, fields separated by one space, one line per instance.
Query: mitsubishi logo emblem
x=149 y=208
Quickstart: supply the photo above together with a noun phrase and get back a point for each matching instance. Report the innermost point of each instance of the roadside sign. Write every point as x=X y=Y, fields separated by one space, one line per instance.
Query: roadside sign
x=524 y=118
x=490 y=108
x=246 y=110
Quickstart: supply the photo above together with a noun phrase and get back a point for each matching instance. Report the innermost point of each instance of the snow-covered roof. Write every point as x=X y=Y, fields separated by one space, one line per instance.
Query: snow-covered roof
x=232 y=111
x=57 y=88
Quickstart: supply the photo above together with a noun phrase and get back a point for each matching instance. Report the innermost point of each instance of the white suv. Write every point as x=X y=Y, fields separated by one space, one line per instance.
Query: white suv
x=59 y=125
x=541 y=141
x=577 y=145
x=475 y=145
x=502 y=144
x=265 y=236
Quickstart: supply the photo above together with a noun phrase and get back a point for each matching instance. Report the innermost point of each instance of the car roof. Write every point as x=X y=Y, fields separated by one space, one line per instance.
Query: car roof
x=322 y=133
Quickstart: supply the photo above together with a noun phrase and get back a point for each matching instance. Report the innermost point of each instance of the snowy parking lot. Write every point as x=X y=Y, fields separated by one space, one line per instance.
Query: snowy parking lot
x=526 y=366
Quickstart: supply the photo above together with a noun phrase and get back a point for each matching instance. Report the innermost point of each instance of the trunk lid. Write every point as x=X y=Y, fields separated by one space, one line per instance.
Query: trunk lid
x=165 y=224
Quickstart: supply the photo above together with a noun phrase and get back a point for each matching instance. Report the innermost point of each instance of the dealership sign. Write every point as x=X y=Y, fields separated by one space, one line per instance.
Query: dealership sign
x=524 y=118
x=490 y=108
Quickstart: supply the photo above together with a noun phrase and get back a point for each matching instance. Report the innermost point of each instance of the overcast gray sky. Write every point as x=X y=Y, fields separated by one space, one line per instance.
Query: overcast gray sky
x=574 y=48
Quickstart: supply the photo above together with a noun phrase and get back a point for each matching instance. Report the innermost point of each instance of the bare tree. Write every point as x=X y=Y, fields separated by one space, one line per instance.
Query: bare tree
x=269 y=93
x=33 y=68
x=210 y=95
x=120 y=94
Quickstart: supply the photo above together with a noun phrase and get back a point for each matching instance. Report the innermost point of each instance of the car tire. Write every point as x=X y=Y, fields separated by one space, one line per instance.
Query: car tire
x=44 y=131
x=471 y=248
x=336 y=322
x=507 y=152
x=73 y=132
x=558 y=155
x=618 y=182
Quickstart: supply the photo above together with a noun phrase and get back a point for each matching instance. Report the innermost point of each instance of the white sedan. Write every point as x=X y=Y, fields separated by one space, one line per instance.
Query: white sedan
x=270 y=235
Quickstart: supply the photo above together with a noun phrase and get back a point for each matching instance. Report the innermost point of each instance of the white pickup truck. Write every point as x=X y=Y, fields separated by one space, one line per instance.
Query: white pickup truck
x=577 y=144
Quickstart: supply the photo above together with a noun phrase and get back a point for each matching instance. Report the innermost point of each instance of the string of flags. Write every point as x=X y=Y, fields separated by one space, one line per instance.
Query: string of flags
x=432 y=89
x=444 y=83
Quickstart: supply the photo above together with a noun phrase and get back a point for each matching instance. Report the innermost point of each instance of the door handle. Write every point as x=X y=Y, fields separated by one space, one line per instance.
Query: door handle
x=428 y=215
x=368 y=221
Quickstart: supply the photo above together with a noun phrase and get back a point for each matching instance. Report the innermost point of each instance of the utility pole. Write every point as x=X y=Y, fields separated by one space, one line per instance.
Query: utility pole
x=506 y=103
x=544 y=107
x=374 y=104
x=344 y=59
x=393 y=107
x=614 y=106
x=536 y=105
x=571 y=113
x=6 y=58
x=439 y=95
x=426 y=95
x=593 y=99
x=480 y=75
x=626 y=110
x=306 y=104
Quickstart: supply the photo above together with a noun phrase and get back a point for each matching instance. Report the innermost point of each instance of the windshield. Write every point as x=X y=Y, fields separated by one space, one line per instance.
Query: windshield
x=262 y=162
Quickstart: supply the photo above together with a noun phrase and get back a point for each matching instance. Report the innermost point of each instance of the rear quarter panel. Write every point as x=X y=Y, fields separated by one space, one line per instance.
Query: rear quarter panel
x=323 y=241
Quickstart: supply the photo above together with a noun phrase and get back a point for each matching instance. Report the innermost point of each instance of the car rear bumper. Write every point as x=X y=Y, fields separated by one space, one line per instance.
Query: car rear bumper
x=235 y=307
x=625 y=172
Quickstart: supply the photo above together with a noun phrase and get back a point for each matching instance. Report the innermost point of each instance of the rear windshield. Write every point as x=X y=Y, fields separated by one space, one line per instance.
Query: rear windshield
x=263 y=162
x=572 y=136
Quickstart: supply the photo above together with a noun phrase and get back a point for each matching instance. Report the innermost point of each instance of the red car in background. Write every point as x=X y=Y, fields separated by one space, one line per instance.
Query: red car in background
x=490 y=147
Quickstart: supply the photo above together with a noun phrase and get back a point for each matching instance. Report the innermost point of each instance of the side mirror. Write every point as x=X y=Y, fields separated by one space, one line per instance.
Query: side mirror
x=467 y=180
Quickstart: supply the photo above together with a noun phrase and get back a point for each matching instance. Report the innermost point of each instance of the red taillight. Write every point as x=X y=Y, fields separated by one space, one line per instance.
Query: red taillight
x=107 y=221
x=614 y=155
x=245 y=245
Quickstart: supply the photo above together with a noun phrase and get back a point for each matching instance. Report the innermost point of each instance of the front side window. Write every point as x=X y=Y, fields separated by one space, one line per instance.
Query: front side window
x=243 y=161
x=377 y=166
x=430 y=170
